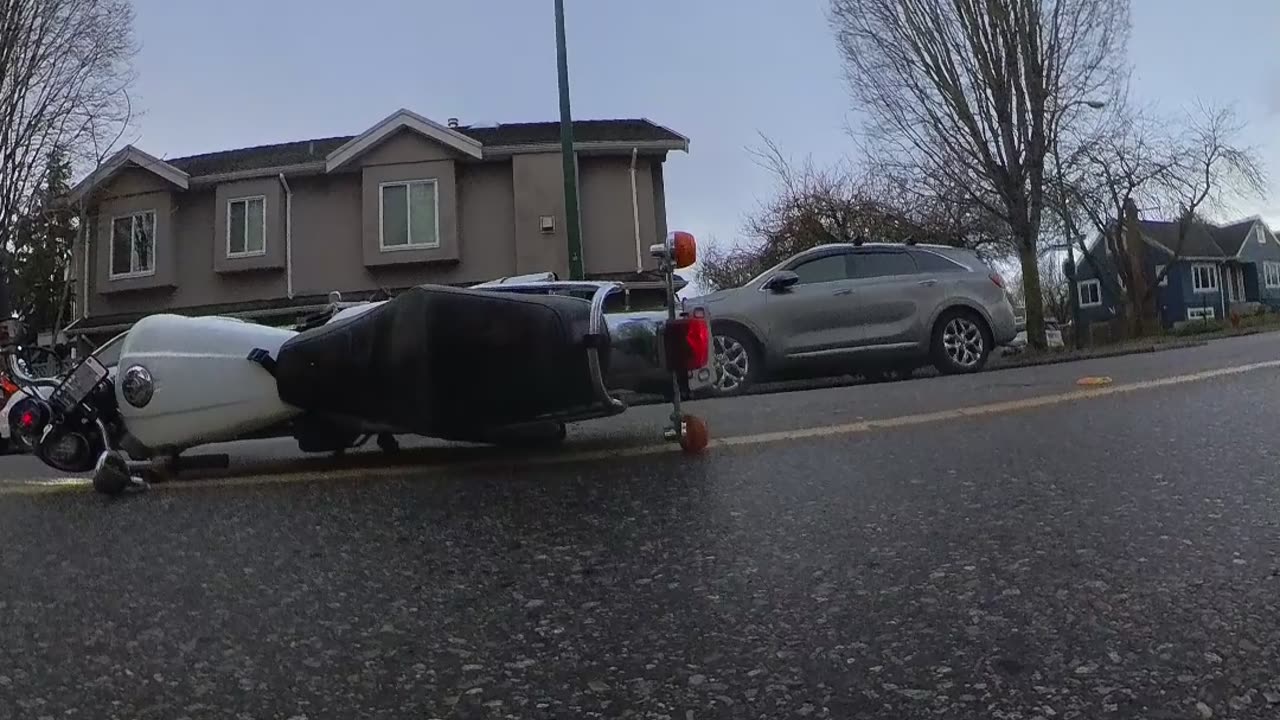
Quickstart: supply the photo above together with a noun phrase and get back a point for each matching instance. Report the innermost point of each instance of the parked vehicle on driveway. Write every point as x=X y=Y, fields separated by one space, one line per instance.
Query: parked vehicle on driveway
x=870 y=308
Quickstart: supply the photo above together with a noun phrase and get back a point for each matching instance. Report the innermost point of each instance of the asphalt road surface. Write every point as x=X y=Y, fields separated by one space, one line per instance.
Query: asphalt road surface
x=1008 y=545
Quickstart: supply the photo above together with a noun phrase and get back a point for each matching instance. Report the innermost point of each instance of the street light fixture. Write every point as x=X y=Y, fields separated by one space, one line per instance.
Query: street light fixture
x=573 y=219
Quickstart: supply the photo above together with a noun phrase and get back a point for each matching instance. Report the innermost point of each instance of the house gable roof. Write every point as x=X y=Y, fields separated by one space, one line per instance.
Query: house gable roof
x=264 y=158
x=1202 y=240
x=1232 y=237
x=395 y=122
x=129 y=156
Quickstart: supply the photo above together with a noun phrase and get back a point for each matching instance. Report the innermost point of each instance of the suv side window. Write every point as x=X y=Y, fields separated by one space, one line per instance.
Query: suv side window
x=827 y=268
x=882 y=264
x=931 y=262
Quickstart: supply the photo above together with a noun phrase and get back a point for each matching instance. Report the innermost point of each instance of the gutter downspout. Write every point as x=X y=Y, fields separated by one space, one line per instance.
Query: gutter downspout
x=635 y=212
x=288 y=236
x=84 y=277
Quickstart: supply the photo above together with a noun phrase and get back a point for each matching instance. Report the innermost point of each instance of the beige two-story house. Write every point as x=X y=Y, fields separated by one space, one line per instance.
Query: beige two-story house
x=266 y=233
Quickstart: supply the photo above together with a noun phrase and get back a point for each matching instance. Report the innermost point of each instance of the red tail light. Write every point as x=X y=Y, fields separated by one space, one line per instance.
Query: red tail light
x=29 y=417
x=999 y=281
x=688 y=343
x=698 y=339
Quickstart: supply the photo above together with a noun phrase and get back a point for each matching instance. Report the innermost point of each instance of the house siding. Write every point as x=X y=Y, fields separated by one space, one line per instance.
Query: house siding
x=1172 y=301
x=489 y=213
x=608 y=221
x=1257 y=253
x=185 y=246
x=538 y=189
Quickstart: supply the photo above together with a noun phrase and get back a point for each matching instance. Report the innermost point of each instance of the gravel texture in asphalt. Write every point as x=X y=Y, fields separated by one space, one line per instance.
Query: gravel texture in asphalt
x=1114 y=557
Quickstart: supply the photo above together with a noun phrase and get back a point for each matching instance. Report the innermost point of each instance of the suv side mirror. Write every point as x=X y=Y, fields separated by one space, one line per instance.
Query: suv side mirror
x=781 y=280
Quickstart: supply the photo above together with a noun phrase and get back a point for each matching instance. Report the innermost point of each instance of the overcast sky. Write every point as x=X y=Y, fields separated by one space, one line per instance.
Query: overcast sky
x=235 y=73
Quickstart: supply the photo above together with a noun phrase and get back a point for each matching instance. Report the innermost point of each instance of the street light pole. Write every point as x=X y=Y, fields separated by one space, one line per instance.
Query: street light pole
x=1073 y=293
x=573 y=219
x=1073 y=286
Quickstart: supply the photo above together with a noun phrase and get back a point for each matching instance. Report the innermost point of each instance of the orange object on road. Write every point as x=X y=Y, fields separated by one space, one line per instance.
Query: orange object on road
x=1094 y=381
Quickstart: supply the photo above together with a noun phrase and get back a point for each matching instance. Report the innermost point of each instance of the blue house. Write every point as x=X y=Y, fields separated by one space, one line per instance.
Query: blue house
x=1218 y=269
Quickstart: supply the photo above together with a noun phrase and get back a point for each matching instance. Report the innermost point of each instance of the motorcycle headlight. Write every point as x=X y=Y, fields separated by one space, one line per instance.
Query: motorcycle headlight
x=137 y=386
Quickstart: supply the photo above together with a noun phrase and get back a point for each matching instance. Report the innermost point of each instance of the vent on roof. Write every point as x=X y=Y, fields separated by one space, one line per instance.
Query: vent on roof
x=453 y=122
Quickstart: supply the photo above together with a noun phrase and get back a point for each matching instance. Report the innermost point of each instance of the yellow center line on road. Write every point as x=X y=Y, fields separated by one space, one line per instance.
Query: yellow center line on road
x=32 y=487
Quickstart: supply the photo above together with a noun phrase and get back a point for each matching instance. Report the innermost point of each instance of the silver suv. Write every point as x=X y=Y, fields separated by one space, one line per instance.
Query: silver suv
x=866 y=308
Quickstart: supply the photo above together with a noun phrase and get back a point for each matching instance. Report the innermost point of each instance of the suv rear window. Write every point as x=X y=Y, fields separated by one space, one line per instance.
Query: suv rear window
x=933 y=262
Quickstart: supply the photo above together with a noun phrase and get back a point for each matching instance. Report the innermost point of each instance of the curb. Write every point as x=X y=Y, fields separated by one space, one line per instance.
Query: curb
x=839 y=381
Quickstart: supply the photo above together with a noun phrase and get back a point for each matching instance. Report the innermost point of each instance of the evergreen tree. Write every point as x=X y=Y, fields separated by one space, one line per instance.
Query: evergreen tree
x=41 y=253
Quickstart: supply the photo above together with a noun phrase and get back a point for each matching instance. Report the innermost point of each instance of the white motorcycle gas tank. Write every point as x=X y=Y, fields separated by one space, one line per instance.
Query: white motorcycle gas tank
x=206 y=389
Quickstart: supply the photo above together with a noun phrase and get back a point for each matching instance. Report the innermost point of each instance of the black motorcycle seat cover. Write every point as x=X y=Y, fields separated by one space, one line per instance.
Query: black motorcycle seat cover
x=436 y=359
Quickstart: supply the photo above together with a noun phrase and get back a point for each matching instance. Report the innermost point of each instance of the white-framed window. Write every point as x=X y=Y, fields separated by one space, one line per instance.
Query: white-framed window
x=133 y=244
x=1271 y=274
x=1200 y=313
x=408 y=215
x=1090 y=293
x=1204 y=278
x=1164 y=280
x=247 y=226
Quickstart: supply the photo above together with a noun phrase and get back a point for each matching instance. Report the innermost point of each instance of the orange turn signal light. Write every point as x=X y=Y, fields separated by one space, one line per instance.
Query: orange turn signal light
x=684 y=249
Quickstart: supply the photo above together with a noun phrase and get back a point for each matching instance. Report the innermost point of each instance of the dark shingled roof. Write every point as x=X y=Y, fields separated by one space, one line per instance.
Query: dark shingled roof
x=1231 y=237
x=306 y=151
x=1199 y=241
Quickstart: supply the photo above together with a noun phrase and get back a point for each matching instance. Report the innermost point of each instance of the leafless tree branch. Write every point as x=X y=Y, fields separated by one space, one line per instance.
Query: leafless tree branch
x=973 y=94
x=65 y=67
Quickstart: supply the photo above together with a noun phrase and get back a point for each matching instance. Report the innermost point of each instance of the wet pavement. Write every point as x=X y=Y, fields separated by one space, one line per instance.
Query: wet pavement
x=1106 y=557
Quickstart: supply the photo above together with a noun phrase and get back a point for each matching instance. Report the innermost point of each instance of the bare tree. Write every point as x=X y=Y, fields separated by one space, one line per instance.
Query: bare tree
x=65 y=67
x=976 y=91
x=814 y=205
x=1179 y=170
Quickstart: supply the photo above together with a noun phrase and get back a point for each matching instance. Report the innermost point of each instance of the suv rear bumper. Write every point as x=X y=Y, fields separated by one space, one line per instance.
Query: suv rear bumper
x=1004 y=325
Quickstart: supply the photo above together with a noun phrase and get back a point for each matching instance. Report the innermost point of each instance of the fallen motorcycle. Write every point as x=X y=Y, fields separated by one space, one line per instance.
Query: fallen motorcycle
x=483 y=364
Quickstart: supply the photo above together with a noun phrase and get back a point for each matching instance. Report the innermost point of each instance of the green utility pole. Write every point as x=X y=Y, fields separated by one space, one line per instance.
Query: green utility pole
x=572 y=217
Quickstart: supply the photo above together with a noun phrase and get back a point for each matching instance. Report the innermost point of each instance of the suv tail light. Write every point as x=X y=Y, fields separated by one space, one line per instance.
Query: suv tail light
x=688 y=343
x=995 y=278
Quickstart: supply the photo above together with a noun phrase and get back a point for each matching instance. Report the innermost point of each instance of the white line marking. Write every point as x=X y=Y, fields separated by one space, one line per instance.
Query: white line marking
x=34 y=487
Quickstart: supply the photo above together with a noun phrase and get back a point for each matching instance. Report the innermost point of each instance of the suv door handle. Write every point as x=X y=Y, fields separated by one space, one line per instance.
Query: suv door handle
x=928 y=283
x=846 y=291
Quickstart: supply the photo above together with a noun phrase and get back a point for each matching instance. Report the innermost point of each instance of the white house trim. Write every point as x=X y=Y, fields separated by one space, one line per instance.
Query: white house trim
x=1271 y=274
x=246 y=253
x=1213 y=276
x=408 y=207
x=123 y=158
x=111 y=247
x=402 y=119
x=1096 y=292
